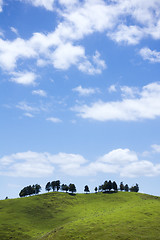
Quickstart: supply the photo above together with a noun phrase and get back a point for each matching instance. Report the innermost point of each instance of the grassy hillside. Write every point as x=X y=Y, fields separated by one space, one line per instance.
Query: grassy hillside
x=83 y=216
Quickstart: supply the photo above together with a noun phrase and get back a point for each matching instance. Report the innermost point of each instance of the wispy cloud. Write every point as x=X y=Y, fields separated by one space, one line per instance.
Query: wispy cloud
x=85 y=91
x=27 y=107
x=112 y=88
x=156 y=148
x=54 y=120
x=14 y=30
x=130 y=35
x=150 y=55
x=28 y=115
x=47 y=4
x=24 y=78
x=1 y=4
x=92 y=67
x=39 y=92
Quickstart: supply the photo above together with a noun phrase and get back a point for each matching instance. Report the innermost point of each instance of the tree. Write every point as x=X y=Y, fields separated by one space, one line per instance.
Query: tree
x=100 y=188
x=48 y=187
x=72 y=188
x=115 y=186
x=121 y=186
x=126 y=188
x=134 y=188
x=53 y=185
x=109 y=185
x=86 y=189
x=104 y=186
x=64 y=187
x=37 y=188
x=22 y=193
x=58 y=185
x=29 y=190
x=96 y=189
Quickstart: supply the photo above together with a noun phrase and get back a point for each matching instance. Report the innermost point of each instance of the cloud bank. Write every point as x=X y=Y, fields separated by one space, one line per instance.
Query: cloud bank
x=123 y=162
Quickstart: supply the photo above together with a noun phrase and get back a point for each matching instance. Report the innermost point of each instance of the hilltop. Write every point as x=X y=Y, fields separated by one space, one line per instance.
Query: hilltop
x=124 y=215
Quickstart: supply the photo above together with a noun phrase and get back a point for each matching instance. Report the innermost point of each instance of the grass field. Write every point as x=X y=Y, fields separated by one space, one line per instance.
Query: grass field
x=98 y=216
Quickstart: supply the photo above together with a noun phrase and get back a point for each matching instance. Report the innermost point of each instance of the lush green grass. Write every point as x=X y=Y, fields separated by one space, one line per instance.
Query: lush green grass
x=98 y=216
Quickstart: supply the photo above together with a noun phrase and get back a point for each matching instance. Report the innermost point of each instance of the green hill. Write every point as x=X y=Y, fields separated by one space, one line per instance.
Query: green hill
x=98 y=216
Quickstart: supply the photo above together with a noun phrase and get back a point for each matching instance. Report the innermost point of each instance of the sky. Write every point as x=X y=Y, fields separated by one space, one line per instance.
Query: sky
x=79 y=93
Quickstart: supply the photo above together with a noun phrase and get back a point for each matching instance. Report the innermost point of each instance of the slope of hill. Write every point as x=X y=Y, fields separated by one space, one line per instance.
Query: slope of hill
x=82 y=216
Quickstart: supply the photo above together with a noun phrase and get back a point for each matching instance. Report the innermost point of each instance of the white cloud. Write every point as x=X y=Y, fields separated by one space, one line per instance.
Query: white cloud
x=54 y=120
x=26 y=164
x=150 y=55
x=84 y=91
x=65 y=158
x=128 y=34
x=94 y=67
x=156 y=148
x=129 y=91
x=39 y=92
x=33 y=164
x=119 y=156
x=145 y=106
x=48 y=4
x=11 y=51
x=26 y=107
x=112 y=88
x=1 y=4
x=28 y=115
x=141 y=168
x=24 y=78
x=1 y=34
x=68 y=2
x=14 y=30
x=66 y=55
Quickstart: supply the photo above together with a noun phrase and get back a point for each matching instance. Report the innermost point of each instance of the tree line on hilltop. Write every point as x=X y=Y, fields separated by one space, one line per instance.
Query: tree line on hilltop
x=109 y=185
x=30 y=190
x=106 y=187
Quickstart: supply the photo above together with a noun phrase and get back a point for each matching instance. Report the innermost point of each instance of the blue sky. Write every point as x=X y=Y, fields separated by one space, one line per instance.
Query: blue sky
x=79 y=93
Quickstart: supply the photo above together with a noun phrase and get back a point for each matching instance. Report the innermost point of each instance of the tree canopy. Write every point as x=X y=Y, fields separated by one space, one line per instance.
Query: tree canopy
x=72 y=188
x=86 y=189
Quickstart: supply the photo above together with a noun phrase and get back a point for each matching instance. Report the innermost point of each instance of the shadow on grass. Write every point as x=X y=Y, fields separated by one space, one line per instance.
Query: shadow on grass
x=110 y=192
x=72 y=194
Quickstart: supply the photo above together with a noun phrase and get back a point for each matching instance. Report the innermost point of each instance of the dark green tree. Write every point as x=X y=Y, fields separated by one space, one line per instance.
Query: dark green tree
x=22 y=193
x=64 y=187
x=134 y=188
x=121 y=186
x=96 y=189
x=53 y=185
x=109 y=185
x=30 y=190
x=86 y=189
x=126 y=188
x=115 y=186
x=105 y=186
x=48 y=187
x=72 y=188
x=37 y=188
x=58 y=185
